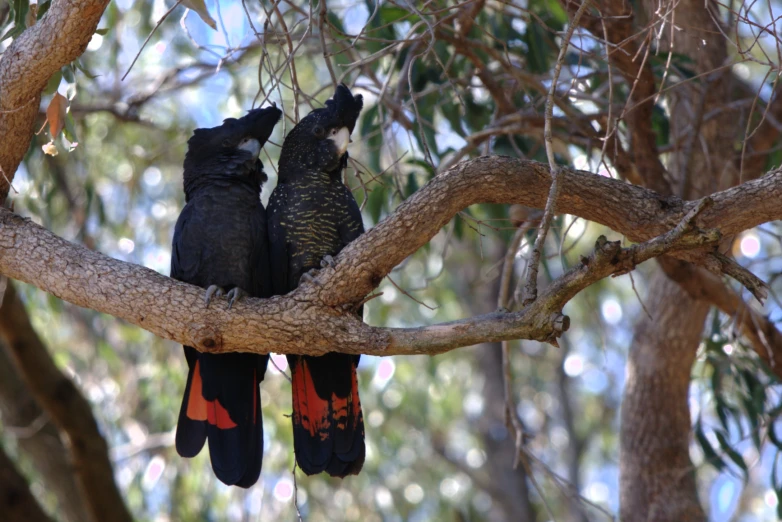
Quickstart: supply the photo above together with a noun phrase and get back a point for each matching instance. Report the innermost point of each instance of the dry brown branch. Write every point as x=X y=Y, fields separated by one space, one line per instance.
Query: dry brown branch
x=759 y=330
x=57 y=39
x=531 y=287
x=616 y=23
x=764 y=140
x=67 y=407
x=314 y=319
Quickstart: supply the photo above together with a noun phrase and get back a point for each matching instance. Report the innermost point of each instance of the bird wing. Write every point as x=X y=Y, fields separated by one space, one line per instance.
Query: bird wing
x=279 y=255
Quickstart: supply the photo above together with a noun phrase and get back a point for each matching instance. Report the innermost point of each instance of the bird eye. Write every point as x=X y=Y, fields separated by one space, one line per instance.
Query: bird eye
x=333 y=132
x=318 y=131
x=226 y=143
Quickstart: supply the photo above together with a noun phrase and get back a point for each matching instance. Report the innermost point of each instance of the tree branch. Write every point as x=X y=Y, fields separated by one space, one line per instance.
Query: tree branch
x=39 y=439
x=316 y=317
x=759 y=330
x=616 y=23
x=67 y=407
x=57 y=39
x=16 y=500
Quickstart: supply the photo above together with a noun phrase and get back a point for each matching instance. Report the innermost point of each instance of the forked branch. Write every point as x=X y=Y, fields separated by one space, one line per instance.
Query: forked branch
x=317 y=317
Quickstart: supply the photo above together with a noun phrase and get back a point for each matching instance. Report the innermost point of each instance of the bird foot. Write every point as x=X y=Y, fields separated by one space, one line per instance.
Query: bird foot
x=213 y=291
x=309 y=276
x=234 y=295
x=327 y=262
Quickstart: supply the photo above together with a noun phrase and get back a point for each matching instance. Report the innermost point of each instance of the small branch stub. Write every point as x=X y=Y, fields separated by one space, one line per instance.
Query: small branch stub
x=206 y=338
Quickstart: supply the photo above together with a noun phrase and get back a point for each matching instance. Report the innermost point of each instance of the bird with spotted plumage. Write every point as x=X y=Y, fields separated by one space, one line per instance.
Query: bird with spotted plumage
x=312 y=215
x=221 y=244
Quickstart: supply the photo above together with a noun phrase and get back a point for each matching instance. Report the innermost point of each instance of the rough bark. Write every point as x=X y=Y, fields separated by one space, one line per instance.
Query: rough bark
x=67 y=408
x=657 y=480
x=315 y=319
x=16 y=501
x=57 y=39
x=39 y=439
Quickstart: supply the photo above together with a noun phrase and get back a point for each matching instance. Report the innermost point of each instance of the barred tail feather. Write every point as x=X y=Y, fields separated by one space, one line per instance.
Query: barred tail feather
x=222 y=405
x=328 y=425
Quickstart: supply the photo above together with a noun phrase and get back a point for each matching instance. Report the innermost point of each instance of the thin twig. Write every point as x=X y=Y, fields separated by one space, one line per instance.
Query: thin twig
x=148 y=37
x=531 y=288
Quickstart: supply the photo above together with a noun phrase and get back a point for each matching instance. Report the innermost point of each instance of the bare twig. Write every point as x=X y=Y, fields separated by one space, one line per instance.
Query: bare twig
x=531 y=287
x=162 y=19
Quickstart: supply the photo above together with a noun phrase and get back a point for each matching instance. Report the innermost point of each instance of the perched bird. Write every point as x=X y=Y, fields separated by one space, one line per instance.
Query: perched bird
x=221 y=244
x=312 y=215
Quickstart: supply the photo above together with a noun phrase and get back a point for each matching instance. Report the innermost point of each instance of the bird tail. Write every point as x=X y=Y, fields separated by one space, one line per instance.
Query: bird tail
x=328 y=426
x=222 y=405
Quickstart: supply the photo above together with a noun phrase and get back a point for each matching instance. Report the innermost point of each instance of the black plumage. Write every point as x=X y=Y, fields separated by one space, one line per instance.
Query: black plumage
x=312 y=215
x=220 y=243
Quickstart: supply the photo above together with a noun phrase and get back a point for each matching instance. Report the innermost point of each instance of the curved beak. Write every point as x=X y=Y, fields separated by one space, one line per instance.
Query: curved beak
x=252 y=146
x=341 y=140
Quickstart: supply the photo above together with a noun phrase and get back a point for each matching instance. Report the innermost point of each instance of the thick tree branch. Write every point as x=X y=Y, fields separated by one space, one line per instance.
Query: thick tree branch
x=315 y=318
x=57 y=39
x=67 y=407
x=39 y=439
x=759 y=330
x=16 y=500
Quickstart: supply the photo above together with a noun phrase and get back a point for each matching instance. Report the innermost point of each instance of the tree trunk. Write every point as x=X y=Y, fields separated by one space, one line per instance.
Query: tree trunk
x=657 y=479
x=655 y=473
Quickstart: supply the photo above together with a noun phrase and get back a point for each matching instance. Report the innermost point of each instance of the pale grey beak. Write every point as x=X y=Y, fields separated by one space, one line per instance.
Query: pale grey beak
x=341 y=139
x=252 y=146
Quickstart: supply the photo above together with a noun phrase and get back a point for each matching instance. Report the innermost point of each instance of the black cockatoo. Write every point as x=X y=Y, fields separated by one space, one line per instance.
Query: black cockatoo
x=312 y=215
x=221 y=244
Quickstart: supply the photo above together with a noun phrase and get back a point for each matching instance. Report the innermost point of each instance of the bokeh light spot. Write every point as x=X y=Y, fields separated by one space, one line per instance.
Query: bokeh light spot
x=414 y=493
x=750 y=245
x=283 y=490
x=611 y=311
x=573 y=365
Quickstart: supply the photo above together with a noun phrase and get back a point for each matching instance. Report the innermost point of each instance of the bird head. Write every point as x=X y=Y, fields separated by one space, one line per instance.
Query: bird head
x=232 y=147
x=320 y=140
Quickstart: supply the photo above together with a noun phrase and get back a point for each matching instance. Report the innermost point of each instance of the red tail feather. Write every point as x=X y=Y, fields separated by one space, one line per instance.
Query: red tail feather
x=200 y=409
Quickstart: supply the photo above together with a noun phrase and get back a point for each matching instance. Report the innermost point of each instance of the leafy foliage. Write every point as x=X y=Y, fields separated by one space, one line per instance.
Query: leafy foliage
x=437 y=87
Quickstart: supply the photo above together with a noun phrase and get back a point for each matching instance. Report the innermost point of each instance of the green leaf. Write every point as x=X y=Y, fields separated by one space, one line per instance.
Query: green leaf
x=424 y=165
x=70 y=130
x=103 y=32
x=661 y=125
x=53 y=83
x=389 y=14
x=376 y=202
x=67 y=73
x=43 y=7
x=732 y=453
x=19 y=9
x=335 y=21
x=411 y=187
x=372 y=136
x=451 y=113
x=538 y=49
x=708 y=452
x=80 y=66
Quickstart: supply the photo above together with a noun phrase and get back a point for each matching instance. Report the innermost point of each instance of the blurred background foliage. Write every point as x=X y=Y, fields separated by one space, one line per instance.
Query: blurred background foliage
x=435 y=84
